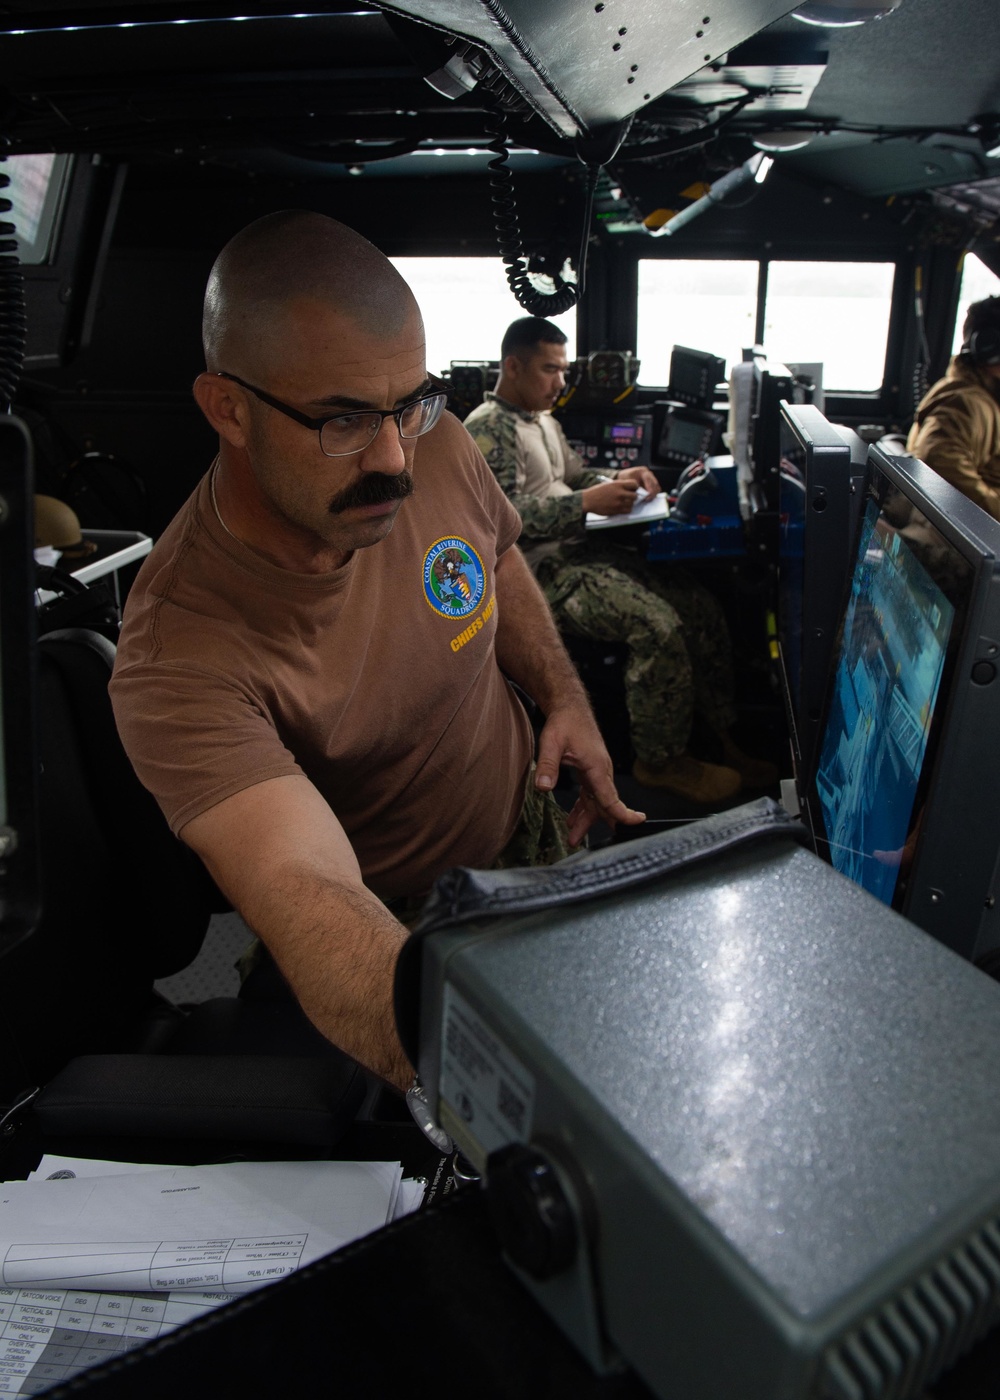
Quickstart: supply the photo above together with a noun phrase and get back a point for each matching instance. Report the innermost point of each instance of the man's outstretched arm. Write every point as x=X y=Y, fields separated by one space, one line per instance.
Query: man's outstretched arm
x=284 y=861
x=530 y=651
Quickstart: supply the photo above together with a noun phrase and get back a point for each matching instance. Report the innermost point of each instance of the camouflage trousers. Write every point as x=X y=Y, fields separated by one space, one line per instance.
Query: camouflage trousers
x=541 y=836
x=679 y=652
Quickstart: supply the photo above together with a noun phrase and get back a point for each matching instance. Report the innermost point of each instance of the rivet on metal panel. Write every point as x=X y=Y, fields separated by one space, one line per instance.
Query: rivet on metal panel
x=630 y=80
x=707 y=19
x=700 y=34
x=623 y=31
x=634 y=68
x=598 y=9
x=615 y=48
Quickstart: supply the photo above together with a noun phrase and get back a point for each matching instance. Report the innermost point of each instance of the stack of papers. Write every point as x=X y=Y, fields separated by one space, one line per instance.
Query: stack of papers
x=646 y=509
x=98 y=1257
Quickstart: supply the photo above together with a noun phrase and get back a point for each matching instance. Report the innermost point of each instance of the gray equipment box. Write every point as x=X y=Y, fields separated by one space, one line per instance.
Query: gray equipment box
x=741 y=1125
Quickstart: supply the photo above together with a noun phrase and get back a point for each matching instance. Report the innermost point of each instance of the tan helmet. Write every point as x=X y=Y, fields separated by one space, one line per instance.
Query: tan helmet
x=57 y=525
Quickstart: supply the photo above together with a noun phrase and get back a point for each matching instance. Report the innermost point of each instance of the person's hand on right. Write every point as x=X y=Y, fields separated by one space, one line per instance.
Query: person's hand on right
x=611 y=497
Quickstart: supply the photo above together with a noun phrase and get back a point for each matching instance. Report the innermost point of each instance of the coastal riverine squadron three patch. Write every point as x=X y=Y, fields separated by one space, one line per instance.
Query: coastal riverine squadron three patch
x=454 y=577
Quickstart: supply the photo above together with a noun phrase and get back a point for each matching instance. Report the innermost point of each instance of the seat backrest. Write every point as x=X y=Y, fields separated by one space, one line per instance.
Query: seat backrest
x=123 y=901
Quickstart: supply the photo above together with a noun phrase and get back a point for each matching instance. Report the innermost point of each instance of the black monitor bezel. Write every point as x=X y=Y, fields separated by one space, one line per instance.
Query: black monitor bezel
x=711 y=423
x=949 y=891
x=833 y=463
x=773 y=384
x=704 y=359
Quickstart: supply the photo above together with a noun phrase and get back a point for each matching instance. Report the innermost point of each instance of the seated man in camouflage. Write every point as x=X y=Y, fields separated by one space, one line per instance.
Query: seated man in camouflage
x=679 y=653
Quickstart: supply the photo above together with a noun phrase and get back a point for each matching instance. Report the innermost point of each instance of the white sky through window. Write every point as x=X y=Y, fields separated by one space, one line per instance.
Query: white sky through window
x=978 y=282
x=467 y=305
x=705 y=304
x=833 y=313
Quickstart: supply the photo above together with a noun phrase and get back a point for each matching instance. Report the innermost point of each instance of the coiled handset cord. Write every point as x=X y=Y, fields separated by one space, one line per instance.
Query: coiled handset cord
x=594 y=151
x=921 y=378
x=508 y=230
x=13 y=318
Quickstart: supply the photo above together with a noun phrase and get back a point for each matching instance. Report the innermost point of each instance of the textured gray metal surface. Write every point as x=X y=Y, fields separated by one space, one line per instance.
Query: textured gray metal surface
x=584 y=64
x=814 y=1075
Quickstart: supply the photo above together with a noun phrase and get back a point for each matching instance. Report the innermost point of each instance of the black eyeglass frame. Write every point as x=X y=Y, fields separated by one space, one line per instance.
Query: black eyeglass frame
x=318 y=424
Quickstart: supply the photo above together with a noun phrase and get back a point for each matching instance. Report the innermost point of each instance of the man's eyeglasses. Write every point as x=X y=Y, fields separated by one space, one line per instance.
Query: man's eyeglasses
x=340 y=434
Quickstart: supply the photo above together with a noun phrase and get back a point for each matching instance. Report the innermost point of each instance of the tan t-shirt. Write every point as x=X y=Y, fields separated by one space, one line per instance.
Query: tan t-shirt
x=378 y=681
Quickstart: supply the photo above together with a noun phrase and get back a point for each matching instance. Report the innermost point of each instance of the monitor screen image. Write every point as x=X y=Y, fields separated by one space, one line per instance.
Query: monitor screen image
x=904 y=797
x=683 y=436
x=895 y=640
x=621 y=433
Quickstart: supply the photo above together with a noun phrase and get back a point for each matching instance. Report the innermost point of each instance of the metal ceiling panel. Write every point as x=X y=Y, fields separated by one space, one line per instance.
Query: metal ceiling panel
x=585 y=63
x=783 y=87
x=902 y=165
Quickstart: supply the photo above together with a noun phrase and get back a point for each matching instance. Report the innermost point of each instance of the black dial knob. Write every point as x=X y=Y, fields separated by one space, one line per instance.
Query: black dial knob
x=531 y=1214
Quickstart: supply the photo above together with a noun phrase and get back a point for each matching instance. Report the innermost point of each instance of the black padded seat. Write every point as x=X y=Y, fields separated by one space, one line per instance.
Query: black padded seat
x=124 y=904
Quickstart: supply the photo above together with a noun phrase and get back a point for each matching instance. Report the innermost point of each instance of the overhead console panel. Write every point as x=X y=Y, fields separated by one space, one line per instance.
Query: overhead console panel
x=584 y=64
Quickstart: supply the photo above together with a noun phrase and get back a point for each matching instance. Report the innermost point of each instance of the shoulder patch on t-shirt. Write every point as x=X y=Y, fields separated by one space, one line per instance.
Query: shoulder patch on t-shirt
x=485 y=442
x=454 y=577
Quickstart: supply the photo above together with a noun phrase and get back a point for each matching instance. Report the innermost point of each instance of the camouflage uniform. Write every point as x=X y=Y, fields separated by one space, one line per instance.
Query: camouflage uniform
x=679 y=649
x=541 y=836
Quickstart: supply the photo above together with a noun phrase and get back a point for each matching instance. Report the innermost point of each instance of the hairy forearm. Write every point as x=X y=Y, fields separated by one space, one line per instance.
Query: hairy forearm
x=528 y=646
x=337 y=946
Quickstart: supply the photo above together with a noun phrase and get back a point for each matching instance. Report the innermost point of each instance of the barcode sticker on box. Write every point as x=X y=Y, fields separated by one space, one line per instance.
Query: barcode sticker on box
x=485 y=1085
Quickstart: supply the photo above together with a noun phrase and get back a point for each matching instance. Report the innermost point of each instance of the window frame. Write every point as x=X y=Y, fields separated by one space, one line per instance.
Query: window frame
x=850 y=402
x=840 y=395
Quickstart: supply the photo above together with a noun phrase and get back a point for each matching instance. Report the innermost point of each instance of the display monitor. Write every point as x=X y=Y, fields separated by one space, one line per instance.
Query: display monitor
x=628 y=433
x=905 y=799
x=19 y=878
x=772 y=384
x=688 y=434
x=695 y=376
x=820 y=487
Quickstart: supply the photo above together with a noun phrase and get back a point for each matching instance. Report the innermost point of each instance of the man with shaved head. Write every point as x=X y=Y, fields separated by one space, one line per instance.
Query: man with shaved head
x=312 y=676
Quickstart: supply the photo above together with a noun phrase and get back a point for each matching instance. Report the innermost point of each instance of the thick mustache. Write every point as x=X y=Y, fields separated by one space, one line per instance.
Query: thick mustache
x=373 y=489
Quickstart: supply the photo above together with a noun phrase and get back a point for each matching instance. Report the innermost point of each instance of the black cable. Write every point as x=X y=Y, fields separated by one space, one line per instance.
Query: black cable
x=508 y=230
x=688 y=140
x=921 y=378
x=593 y=173
x=13 y=318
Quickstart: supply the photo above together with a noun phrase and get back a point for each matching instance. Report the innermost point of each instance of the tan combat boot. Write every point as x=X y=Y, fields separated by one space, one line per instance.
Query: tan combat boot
x=755 y=772
x=687 y=777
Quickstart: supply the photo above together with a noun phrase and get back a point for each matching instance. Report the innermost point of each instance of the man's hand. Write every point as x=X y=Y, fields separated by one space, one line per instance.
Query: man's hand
x=530 y=651
x=571 y=736
x=611 y=497
x=643 y=477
